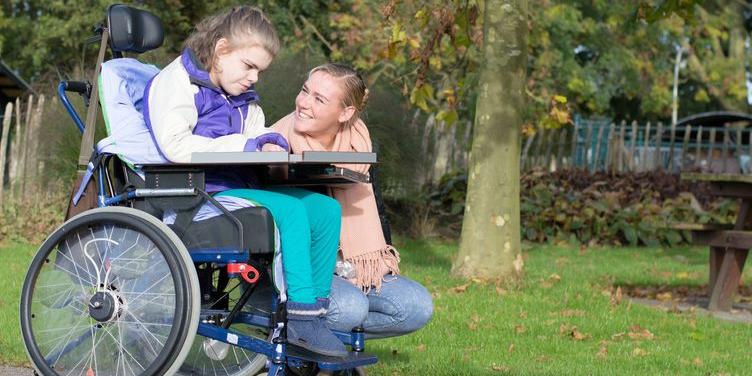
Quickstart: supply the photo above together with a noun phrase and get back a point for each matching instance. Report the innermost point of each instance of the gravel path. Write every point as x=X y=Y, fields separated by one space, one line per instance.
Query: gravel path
x=15 y=371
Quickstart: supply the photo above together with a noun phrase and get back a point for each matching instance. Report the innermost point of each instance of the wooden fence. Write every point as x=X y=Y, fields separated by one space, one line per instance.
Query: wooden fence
x=604 y=146
x=19 y=146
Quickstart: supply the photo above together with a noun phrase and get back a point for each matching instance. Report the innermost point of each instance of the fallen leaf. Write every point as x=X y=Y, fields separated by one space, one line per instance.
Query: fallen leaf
x=460 y=288
x=523 y=314
x=500 y=367
x=572 y=313
x=639 y=352
x=618 y=336
x=519 y=329
x=602 y=352
x=579 y=336
x=637 y=333
x=664 y=296
x=697 y=362
x=422 y=347
x=542 y=359
x=616 y=297
x=554 y=277
x=511 y=347
x=573 y=332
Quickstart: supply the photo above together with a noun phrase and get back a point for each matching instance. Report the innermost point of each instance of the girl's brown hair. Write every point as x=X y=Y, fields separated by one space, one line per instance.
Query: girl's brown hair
x=355 y=90
x=245 y=24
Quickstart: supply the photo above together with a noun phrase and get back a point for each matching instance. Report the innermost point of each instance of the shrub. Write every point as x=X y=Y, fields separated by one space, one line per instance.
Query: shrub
x=579 y=207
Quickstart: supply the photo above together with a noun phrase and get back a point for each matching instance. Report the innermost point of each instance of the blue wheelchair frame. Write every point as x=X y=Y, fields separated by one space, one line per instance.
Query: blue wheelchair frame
x=276 y=351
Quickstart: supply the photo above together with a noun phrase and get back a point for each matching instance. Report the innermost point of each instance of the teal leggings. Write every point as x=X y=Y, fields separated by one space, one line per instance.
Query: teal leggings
x=309 y=225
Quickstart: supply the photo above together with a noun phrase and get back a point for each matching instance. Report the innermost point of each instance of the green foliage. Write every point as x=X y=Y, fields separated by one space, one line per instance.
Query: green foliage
x=580 y=208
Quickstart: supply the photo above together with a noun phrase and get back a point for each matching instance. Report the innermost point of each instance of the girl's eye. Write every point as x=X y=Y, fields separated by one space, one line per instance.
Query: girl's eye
x=304 y=89
x=319 y=100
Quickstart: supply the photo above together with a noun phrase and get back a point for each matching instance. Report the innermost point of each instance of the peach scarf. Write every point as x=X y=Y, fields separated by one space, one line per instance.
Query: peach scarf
x=361 y=239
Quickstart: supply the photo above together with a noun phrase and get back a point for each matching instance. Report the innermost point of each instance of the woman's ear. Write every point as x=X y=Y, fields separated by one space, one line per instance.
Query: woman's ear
x=346 y=114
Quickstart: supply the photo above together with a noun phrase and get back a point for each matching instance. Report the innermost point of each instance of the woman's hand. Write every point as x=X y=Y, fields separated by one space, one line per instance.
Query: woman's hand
x=272 y=147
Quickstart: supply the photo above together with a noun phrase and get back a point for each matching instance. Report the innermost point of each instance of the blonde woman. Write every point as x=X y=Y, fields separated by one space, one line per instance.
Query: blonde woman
x=326 y=118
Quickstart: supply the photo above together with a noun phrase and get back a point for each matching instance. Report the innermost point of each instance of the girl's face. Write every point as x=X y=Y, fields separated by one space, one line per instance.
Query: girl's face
x=236 y=69
x=318 y=107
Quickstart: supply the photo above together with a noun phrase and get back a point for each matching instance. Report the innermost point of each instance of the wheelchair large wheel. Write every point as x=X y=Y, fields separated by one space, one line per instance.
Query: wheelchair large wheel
x=113 y=291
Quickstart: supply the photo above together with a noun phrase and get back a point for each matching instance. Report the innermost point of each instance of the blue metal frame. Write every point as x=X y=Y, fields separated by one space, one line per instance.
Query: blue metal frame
x=68 y=106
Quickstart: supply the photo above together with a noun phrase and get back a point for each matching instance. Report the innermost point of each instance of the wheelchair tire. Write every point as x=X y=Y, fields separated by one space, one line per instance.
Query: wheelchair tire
x=132 y=298
x=203 y=360
x=235 y=360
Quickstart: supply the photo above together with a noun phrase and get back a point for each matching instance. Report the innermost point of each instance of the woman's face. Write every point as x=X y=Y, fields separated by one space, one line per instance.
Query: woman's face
x=318 y=106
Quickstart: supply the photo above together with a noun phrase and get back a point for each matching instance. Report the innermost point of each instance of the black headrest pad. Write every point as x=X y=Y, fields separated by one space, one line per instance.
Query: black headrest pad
x=133 y=30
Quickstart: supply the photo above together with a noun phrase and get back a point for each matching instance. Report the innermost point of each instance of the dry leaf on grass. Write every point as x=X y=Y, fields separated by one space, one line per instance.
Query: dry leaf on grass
x=639 y=352
x=500 y=367
x=460 y=289
x=572 y=313
x=637 y=333
x=664 y=296
x=616 y=297
x=697 y=362
x=519 y=329
x=523 y=314
x=573 y=332
x=602 y=352
x=422 y=347
x=511 y=347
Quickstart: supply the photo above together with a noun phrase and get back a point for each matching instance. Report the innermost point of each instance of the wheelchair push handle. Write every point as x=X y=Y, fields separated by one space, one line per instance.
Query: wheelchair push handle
x=81 y=87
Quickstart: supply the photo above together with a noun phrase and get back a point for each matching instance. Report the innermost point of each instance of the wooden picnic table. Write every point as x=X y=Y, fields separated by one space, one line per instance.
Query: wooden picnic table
x=729 y=244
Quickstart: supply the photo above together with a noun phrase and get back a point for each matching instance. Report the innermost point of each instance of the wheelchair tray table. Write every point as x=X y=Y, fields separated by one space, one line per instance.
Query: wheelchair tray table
x=309 y=168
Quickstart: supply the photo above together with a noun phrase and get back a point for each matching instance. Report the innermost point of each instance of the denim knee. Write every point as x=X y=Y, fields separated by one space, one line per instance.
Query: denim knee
x=348 y=307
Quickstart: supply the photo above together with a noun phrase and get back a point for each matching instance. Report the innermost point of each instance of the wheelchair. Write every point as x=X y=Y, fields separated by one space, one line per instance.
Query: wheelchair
x=139 y=286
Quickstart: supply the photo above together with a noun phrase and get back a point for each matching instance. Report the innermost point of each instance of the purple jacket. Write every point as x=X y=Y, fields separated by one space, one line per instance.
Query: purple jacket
x=187 y=113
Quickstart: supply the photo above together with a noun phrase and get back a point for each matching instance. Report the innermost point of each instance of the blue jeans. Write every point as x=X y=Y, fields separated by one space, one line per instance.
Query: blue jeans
x=403 y=306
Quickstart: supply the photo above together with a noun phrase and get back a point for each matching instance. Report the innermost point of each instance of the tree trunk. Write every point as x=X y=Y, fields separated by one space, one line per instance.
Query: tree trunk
x=490 y=240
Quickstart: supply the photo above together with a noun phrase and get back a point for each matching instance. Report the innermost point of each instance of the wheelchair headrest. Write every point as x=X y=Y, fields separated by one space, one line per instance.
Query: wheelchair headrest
x=133 y=30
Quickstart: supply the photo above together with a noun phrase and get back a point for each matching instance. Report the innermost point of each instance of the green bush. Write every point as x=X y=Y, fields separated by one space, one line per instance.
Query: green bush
x=581 y=208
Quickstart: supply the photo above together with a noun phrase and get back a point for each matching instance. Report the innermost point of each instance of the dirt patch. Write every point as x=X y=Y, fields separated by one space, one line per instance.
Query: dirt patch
x=690 y=299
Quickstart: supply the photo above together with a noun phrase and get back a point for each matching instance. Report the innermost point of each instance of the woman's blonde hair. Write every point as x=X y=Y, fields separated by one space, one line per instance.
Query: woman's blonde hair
x=245 y=24
x=354 y=88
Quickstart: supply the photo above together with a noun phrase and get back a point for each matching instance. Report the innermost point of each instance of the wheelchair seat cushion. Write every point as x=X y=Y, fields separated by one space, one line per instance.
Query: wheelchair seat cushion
x=220 y=232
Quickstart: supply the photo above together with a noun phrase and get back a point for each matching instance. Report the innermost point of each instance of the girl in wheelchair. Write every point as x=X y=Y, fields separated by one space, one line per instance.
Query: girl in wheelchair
x=204 y=102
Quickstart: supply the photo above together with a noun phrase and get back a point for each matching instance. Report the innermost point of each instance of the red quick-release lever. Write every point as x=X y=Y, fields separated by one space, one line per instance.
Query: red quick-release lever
x=243 y=270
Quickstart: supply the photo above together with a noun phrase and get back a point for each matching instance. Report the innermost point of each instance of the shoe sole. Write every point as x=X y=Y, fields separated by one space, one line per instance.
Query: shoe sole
x=317 y=351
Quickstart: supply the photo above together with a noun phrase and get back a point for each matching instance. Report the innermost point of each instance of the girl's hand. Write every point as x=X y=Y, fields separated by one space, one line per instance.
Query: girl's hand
x=255 y=144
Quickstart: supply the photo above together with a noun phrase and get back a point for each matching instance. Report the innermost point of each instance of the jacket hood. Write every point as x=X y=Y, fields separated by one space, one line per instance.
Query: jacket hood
x=199 y=76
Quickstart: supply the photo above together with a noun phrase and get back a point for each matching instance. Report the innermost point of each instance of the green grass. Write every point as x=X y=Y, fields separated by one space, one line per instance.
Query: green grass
x=520 y=331
x=15 y=261
x=479 y=328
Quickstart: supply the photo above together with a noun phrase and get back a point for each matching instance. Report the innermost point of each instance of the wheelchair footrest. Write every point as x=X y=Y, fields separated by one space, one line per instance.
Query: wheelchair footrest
x=331 y=363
